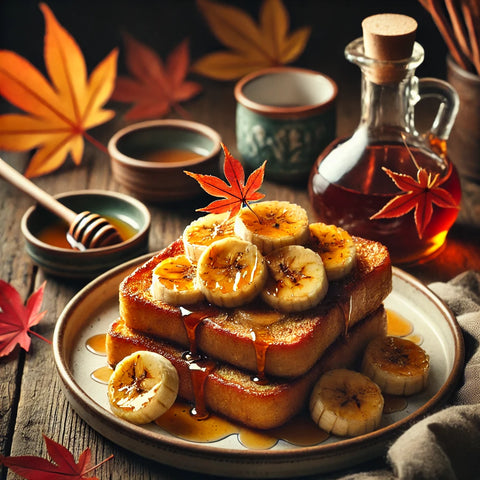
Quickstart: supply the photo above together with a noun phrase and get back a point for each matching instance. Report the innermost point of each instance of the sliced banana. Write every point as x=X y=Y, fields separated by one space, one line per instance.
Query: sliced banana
x=336 y=247
x=174 y=281
x=142 y=387
x=205 y=230
x=271 y=225
x=397 y=365
x=346 y=403
x=231 y=272
x=297 y=279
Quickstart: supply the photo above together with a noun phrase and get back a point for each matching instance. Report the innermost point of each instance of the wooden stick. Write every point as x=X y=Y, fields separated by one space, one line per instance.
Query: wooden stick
x=458 y=27
x=472 y=26
x=435 y=10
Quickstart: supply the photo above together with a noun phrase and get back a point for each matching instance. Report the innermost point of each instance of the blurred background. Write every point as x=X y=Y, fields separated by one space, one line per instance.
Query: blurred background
x=97 y=26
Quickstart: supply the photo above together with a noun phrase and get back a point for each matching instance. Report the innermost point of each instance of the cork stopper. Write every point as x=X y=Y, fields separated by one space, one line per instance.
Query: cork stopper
x=388 y=37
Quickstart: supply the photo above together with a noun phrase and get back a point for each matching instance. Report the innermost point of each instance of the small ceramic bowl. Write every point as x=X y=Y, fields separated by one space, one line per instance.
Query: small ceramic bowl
x=149 y=158
x=45 y=234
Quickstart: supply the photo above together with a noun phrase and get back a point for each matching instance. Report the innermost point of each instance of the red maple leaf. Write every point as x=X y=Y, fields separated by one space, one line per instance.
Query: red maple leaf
x=420 y=194
x=16 y=319
x=235 y=195
x=62 y=467
x=154 y=87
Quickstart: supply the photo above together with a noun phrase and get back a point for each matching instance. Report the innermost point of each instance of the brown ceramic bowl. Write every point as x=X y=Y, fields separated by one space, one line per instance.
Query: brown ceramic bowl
x=50 y=251
x=149 y=158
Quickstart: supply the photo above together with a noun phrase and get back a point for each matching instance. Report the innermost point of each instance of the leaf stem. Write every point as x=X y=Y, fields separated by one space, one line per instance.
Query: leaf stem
x=97 y=465
x=254 y=212
x=40 y=336
x=95 y=142
x=181 y=111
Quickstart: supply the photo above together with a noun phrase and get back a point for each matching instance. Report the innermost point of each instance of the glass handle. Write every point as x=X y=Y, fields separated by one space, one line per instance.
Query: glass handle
x=447 y=110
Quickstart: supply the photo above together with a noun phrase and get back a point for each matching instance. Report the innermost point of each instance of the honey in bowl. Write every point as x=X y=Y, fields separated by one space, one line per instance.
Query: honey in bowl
x=55 y=233
x=173 y=155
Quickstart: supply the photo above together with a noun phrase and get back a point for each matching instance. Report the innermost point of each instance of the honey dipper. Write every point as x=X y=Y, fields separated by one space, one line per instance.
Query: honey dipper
x=86 y=229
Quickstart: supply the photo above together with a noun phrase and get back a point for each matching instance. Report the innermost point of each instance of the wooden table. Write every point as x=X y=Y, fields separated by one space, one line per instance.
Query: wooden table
x=31 y=402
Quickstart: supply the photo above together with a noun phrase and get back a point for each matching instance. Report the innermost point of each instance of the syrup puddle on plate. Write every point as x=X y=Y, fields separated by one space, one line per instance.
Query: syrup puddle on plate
x=180 y=422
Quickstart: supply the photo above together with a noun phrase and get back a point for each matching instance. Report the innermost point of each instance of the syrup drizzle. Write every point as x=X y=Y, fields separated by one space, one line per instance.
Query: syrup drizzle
x=261 y=344
x=346 y=308
x=199 y=368
x=198 y=424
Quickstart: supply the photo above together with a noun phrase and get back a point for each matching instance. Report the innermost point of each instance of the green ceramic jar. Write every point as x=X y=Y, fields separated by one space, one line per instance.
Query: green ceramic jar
x=284 y=115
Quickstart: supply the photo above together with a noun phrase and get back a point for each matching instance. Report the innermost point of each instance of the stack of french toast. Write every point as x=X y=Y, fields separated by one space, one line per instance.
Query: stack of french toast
x=251 y=310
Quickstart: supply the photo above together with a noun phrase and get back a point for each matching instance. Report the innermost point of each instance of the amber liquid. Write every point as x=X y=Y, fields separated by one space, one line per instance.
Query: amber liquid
x=171 y=156
x=55 y=234
x=350 y=198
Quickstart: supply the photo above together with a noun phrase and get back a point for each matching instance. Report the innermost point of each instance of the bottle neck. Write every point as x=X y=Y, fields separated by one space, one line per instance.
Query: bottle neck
x=387 y=109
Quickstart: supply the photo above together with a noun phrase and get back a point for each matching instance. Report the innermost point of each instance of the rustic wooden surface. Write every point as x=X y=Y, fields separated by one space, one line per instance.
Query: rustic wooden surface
x=31 y=402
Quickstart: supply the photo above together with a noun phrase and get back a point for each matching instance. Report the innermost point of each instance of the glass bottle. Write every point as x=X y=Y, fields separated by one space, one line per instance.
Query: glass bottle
x=349 y=184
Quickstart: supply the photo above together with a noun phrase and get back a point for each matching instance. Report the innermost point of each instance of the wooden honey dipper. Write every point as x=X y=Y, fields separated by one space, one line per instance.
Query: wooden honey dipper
x=86 y=229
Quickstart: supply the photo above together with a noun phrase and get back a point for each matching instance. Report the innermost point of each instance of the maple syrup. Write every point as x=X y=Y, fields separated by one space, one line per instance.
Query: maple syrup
x=55 y=233
x=351 y=200
x=348 y=184
x=171 y=156
x=96 y=344
x=397 y=325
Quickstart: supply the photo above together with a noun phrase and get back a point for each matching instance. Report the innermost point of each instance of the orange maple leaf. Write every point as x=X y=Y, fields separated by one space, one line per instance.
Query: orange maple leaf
x=154 y=88
x=253 y=45
x=61 y=111
x=237 y=193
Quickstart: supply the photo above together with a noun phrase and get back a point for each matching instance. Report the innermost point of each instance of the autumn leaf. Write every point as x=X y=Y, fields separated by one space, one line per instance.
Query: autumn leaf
x=237 y=193
x=252 y=45
x=421 y=194
x=63 y=465
x=16 y=319
x=60 y=112
x=154 y=88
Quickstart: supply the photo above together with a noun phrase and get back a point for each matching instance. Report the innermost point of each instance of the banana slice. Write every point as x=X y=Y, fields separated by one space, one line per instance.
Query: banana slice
x=297 y=279
x=142 y=387
x=174 y=281
x=336 y=247
x=205 y=230
x=231 y=272
x=271 y=225
x=397 y=365
x=346 y=403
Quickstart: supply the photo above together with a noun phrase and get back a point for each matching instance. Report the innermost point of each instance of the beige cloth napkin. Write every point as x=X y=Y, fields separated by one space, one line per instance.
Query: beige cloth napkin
x=446 y=444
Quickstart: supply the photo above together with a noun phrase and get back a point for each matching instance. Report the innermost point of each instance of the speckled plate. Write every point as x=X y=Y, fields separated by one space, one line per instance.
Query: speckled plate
x=90 y=312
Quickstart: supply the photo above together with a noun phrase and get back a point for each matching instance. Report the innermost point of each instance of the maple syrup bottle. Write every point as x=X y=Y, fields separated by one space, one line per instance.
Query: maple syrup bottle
x=353 y=179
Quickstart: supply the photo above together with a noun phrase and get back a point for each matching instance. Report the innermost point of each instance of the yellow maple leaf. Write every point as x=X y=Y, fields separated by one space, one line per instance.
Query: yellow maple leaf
x=252 y=45
x=62 y=111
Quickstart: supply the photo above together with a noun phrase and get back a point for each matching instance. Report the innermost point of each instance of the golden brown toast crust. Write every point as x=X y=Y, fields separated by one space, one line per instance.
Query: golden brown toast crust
x=232 y=393
x=295 y=342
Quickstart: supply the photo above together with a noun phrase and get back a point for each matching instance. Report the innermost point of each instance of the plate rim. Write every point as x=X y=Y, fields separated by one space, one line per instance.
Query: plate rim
x=87 y=407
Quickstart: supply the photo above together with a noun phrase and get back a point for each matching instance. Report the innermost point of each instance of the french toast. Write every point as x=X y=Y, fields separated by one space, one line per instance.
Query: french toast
x=255 y=337
x=233 y=393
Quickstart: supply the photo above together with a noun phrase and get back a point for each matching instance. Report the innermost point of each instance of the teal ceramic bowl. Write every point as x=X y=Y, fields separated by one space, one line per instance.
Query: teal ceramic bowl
x=287 y=116
x=149 y=158
x=45 y=234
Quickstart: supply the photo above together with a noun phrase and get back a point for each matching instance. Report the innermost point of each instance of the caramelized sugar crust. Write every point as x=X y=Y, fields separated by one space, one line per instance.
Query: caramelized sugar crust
x=292 y=343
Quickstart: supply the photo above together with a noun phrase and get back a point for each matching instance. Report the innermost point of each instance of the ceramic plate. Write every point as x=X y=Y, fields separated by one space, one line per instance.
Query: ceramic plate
x=91 y=311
